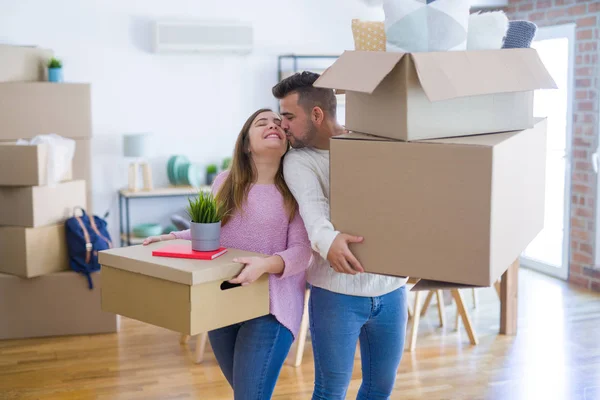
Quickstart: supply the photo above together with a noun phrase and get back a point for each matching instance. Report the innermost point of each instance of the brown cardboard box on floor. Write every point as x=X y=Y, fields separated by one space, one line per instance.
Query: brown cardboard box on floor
x=33 y=206
x=29 y=252
x=23 y=63
x=57 y=304
x=25 y=165
x=28 y=109
x=186 y=296
x=457 y=210
x=438 y=95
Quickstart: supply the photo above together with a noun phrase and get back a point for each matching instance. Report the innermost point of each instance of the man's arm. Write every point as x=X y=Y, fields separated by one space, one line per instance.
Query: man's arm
x=314 y=210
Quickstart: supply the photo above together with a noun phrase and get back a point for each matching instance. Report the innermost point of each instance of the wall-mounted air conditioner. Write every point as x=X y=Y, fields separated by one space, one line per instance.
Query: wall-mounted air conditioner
x=192 y=36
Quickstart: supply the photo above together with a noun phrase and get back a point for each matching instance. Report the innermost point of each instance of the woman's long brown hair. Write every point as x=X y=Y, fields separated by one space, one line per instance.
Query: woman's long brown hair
x=234 y=191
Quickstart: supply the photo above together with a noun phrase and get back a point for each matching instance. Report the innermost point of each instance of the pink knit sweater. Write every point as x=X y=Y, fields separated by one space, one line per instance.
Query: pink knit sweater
x=263 y=227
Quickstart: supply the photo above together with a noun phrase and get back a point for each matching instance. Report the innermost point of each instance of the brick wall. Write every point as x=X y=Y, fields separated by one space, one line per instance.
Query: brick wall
x=586 y=14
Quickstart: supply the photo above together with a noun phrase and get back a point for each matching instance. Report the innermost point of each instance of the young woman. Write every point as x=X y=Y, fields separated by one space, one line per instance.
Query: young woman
x=264 y=219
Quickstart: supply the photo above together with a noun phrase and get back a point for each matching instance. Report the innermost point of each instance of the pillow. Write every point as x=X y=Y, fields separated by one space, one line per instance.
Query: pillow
x=368 y=35
x=487 y=30
x=426 y=25
x=520 y=34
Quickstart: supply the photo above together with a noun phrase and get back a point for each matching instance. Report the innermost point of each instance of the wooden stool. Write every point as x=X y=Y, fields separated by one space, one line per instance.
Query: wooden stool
x=296 y=353
x=201 y=340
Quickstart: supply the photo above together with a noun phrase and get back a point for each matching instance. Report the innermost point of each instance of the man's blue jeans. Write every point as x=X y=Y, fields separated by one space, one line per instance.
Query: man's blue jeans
x=251 y=355
x=337 y=322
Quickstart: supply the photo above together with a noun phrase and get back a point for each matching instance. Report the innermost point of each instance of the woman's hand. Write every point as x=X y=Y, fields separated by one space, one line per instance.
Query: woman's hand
x=160 y=238
x=256 y=267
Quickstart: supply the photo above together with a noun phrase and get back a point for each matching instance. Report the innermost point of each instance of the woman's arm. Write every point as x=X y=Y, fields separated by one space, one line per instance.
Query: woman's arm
x=296 y=258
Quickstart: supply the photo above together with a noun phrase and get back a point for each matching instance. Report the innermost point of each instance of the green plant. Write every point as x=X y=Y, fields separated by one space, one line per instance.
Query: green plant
x=205 y=209
x=54 y=63
x=226 y=163
x=211 y=169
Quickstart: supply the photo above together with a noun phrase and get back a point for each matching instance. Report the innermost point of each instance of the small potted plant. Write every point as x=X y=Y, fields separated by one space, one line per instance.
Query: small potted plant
x=205 y=222
x=55 y=70
x=211 y=173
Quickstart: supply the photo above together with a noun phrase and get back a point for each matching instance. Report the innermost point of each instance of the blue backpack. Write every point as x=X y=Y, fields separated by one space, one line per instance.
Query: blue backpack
x=86 y=236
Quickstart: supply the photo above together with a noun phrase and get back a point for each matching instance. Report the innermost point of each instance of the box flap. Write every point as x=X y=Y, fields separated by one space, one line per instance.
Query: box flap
x=352 y=135
x=447 y=75
x=359 y=71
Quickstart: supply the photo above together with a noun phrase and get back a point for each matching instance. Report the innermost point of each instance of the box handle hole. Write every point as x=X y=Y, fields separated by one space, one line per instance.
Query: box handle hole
x=226 y=285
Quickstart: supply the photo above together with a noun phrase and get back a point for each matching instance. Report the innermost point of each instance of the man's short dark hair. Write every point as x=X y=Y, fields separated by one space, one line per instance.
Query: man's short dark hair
x=308 y=95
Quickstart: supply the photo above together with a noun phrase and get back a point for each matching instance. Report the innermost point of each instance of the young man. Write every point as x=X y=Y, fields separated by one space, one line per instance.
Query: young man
x=346 y=304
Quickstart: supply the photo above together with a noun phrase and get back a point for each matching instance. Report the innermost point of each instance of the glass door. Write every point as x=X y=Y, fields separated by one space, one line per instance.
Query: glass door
x=549 y=251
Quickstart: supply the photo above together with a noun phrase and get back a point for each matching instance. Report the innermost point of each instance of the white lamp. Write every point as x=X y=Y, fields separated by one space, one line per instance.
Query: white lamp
x=138 y=146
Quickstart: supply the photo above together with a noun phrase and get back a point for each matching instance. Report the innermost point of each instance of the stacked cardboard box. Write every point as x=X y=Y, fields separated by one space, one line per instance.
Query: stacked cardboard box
x=444 y=160
x=33 y=250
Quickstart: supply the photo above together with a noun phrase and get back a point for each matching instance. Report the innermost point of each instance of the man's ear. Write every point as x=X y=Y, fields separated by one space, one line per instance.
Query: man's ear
x=317 y=115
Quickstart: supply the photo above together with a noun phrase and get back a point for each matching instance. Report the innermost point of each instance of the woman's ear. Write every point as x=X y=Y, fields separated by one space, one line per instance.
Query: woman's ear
x=317 y=115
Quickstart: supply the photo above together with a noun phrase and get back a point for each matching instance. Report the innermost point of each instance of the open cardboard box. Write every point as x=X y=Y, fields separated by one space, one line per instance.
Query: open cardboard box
x=23 y=63
x=437 y=94
x=458 y=210
x=25 y=165
x=30 y=252
x=34 y=206
x=183 y=295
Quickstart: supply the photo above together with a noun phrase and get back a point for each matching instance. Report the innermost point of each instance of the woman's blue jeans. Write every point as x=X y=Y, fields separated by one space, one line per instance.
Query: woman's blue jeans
x=251 y=355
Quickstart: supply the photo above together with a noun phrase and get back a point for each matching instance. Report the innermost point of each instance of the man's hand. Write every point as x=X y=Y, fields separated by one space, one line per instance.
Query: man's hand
x=341 y=258
x=256 y=267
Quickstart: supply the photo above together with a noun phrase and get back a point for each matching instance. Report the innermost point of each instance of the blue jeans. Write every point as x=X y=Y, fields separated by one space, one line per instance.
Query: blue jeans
x=251 y=355
x=337 y=322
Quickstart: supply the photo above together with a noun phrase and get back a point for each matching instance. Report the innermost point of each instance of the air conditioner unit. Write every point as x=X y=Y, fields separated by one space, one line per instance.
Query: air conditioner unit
x=188 y=36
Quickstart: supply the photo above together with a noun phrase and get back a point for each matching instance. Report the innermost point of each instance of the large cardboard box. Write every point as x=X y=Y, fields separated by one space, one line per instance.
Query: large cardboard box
x=52 y=305
x=25 y=165
x=28 y=109
x=29 y=252
x=457 y=210
x=33 y=206
x=437 y=95
x=23 y=63
x=186 y=296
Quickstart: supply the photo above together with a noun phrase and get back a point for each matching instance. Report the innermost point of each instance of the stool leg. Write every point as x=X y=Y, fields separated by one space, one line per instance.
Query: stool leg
x=416 y=320
x=183 y=339
x=201 y=346
x=440 y=304
x=295 y=355
x=427 y=302
x=462 y=311
x=474 y=298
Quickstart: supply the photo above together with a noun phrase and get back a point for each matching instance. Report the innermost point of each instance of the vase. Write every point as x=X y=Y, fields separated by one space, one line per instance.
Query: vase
x=55 y=75
x=205 y=237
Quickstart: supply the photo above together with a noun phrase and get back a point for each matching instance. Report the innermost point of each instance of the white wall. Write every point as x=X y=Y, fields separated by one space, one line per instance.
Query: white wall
x=194 y=104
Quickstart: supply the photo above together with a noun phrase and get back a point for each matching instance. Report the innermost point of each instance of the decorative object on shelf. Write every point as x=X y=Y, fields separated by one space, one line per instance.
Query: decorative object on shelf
x=182 y=172
x=211 y=173
x=137 y=146
x=55 y=71
x=145 y=230
x=226 y=163
x=205 y=222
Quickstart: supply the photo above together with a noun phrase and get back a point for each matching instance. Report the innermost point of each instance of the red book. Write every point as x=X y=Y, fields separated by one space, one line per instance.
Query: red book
x=185 y=251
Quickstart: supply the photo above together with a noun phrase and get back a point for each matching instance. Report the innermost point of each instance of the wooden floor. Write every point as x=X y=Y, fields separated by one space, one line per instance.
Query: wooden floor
x=555 y=355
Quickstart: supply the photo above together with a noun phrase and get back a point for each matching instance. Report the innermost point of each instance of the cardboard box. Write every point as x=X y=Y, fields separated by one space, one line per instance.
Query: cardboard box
x=52 y=305
x=438 y=95
x=25 y=165
x=29 y=109
x=82 y=165
x=33 y=206
x=23 y=63
x=457 y=210
x=186 y=296
x=29 y=252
